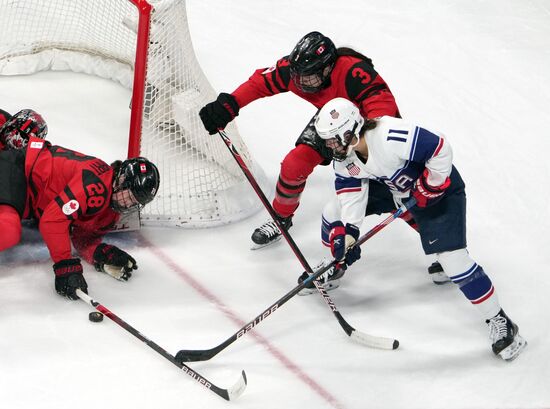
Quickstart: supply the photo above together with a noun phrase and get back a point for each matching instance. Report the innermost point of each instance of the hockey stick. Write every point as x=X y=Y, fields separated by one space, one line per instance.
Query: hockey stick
x=228 y=394
x=348 y=329
x=365 y=339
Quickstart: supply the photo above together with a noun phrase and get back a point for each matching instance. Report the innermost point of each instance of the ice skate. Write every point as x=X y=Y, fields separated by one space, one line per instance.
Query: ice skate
x=437 y=274
x=507 y=343
x=329 y=280
x=268 y=233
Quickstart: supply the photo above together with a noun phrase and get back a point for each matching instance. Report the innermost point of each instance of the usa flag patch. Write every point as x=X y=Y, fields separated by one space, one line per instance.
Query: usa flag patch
x=353 y=169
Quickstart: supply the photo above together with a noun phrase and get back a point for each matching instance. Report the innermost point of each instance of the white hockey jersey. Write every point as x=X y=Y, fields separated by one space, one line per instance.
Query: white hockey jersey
x=398 y=152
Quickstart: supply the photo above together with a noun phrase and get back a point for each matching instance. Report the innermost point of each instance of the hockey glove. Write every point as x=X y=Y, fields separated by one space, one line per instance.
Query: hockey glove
x=68 y=277
x=342 y=240
x=113 y=261
x=427 y=195
x=216 y=115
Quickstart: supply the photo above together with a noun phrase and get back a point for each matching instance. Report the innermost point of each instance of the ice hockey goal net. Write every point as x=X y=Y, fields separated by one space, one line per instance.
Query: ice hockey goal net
x=146 y=47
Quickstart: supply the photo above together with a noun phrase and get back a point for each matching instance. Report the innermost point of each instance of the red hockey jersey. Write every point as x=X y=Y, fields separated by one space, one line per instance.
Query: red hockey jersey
x=66 y=191
x=351 y=78
x=4 y=116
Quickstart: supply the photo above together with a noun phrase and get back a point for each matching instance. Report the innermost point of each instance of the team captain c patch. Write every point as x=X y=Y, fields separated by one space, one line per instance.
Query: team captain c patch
x=70 y=207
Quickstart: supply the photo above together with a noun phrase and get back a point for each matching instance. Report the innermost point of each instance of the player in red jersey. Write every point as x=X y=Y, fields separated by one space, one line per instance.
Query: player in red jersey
x=316 y=71
x=4 y=116
x=76 y=196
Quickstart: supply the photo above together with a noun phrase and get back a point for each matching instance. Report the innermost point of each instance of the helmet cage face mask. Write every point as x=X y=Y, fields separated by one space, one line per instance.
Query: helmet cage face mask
x=311 y=83
x=123 y=200
x=311 y=62
x=342 y=145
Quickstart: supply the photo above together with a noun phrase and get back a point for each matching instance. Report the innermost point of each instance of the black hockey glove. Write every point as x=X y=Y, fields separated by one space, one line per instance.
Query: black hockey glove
x=216 y=115
x=68 y=277
x=342 y=240
x=113 y=261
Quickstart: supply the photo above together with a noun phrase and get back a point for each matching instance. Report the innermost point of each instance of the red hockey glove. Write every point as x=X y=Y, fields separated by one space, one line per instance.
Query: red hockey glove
x=216 y=115
x=427 y=195
x=341 y=241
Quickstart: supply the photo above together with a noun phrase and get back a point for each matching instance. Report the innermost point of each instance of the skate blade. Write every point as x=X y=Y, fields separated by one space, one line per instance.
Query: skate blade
x=331 y=285
x=512 y=351
x=439 y=278
x=261 y=246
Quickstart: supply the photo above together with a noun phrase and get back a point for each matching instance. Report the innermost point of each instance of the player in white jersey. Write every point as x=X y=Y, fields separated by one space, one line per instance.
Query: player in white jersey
x=379 y=164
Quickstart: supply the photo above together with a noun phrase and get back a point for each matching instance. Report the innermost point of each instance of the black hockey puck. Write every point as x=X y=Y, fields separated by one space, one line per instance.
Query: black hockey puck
x=95 y=316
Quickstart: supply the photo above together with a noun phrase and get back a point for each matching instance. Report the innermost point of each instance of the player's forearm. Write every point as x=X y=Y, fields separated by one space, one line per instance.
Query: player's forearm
x=85 y=244
x=57 y=239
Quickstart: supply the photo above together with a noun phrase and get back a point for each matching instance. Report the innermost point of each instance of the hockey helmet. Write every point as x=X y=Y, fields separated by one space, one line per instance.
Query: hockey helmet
x=338 y=122
x=136 y=182
x=17 y=130
x=311 y=62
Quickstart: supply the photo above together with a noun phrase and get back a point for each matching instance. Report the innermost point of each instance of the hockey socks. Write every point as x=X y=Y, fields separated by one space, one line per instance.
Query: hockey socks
x=472 y=281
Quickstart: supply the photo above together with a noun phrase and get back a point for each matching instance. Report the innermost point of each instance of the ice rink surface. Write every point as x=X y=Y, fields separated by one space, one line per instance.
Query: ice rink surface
x=476 y=70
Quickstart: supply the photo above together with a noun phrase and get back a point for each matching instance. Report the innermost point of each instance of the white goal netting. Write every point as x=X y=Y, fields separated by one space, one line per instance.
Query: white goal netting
x=146 y=47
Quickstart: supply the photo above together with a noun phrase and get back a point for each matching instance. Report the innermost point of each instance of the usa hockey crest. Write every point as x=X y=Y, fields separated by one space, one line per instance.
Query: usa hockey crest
x=353 y=169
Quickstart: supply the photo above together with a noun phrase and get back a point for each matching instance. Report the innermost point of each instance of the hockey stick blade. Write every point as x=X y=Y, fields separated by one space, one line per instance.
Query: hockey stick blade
x=194 y=355
x=373 y=341
x=228 y=394
x=235 y=391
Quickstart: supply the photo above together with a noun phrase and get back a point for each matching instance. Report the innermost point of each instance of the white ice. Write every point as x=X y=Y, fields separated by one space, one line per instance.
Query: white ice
x=476 y=70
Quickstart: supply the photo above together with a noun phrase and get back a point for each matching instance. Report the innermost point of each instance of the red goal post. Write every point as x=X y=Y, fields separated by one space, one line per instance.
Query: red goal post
x=146 y=47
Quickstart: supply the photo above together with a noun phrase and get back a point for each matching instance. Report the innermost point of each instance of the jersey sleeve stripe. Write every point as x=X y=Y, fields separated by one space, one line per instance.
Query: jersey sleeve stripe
x=71 y=196
x=425 y=145
x=268 y=86
x=275 y=80
x=348 y=190
x=439 y=146
x=368 y=92
x=60 y=203
x=346 y=183
x=413 y=144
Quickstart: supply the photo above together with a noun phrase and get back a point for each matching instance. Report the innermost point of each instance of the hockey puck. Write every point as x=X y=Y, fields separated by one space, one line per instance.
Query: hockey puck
x=95 y=316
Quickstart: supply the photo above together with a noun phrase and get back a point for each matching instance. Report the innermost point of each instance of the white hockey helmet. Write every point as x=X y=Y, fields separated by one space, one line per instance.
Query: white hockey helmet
x=337 y=123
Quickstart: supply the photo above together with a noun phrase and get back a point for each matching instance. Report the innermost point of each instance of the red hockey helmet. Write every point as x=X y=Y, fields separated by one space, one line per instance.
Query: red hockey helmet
x=17 y=130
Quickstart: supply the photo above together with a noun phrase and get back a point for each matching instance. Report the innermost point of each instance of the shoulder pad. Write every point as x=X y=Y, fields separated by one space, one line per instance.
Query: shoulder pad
x=359 y=78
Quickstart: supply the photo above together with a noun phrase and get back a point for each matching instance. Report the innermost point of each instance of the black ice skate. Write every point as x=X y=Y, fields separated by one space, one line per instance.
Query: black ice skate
x=329 y=280
x=437 y=274
x=268 y=233
x=507 y=343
